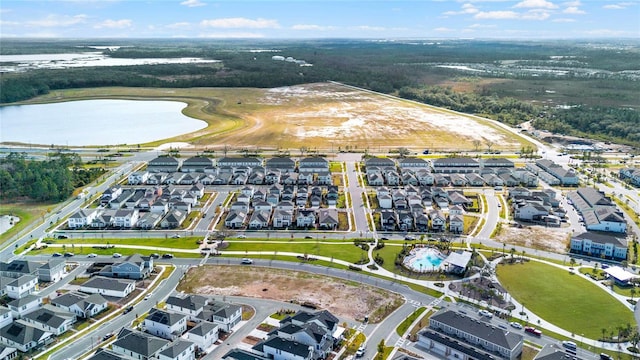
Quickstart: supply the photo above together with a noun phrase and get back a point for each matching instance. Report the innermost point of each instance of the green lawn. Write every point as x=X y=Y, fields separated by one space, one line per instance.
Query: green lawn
x=82 y=251
x=346 y=252
x=566 y=300
x=404 y=325
x=180 y=243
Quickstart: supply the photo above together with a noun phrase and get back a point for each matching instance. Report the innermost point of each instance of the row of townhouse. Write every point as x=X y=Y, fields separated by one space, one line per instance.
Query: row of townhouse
x=419 y=219
x=128 y=219
x=597 y=210
x=540 y=206
x=380 y=172
x=283 y=215
x=301 y=195
x=553 y=173
x=410 y=197
x=630 y=174
x=303 y=336
x=599 y=245
x=155 y=199
x=456 y=334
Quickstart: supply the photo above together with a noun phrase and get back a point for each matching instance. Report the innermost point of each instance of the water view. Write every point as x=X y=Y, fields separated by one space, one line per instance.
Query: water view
x=95 y=122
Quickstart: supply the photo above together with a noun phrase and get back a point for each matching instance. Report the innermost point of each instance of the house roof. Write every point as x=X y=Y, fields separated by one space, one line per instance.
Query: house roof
x=203 y=328
x=164 y=317
x=50 y=316
x=554 y=352
x=176 y=348
x=22 y=333
x=105 y=354
x=18 y=303
x=139 y=343
x=20 y=266
x=240 y=354
x=602 y=238
x=100 y=282
x=454 y=161
x=286 y=346
x=22 y=280
x=484 y=331
x=191 y=302
x=328 y=216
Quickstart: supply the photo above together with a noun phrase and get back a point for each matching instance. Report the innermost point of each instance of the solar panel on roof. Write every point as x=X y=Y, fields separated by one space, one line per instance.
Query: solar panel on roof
x=14 y=330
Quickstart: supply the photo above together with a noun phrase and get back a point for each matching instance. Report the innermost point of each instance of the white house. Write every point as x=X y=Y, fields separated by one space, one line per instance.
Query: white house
x=25 y=305
x=278 y=348
x=23 y=336
x=51 y=319
x=81 y=218
x=22 y=286
x=165 y=324
x=179 y=350
x=126 y=218
x=82 y=305
x=226 y=316
x=138 y=177
x=204 y=334
x=108 y=287
x=599 y=245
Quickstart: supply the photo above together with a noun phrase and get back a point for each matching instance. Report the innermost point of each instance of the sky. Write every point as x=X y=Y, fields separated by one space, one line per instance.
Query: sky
x=267 y=19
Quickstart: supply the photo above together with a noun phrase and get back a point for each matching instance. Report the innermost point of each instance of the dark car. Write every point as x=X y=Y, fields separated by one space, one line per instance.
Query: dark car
x=107 y=336
x=56 y=254
x=127 y=310
x=167 y=256
x=384 y=238
x=68 y=254
x=308 y=237
x=63 y=237
x=604 y=356
x=155 y=255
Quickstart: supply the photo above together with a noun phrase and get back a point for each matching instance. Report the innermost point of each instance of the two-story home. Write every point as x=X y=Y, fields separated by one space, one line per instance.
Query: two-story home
x=81 y=218
x=190 y=305
x=82 y=305
x=165 y=324
x=132 y=267
x=278 y=348
x=165 y=164
x=179 y=350
x=204 y=334
x=22 y=286
x=225 y=315
x=23 y=337
x=24 y=305
x=138 y=345
x=51 y=319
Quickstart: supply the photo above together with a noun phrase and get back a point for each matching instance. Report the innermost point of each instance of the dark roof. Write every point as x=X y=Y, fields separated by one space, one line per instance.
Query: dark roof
x=20 y=266
x=593 y=197
x=554 y=352
x=191 y=302
x=239 y=354
x=203 y=328
x=481 y=329
x=288 y=346
x=25 y=300
x=455 y=162
x=139 y=343
x=105 y=354
x=99 y=282
x=176 y=348
x=22 y=333
x=468 y=350
x=164 y=317
x=601 y=238
x=49 y=317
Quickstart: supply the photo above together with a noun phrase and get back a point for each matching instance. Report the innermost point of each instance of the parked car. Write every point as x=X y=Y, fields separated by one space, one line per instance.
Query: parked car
x=117 y=255
x=127 y=310
x=107 y=336
x=242 y=236
x=68 y=254
x=246 y=261
x=175 y=236
x=92 y=255
x=167 y=256
x=384 y=238
x=146 y=297
x=533 y=331
x=515 y=325
x=604 y=356
x=361 y=350
x=155 y=256
x=56 y=254
x=63 y=237
x=409 y=237
x=570 y=345
x=485 y=313
x=308 y=237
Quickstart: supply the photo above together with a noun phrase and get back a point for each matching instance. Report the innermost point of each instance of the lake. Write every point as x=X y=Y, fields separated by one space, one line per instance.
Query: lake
x=95 y=122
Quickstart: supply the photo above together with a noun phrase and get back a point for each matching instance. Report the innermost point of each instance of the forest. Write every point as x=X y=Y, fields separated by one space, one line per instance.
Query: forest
x=52 y=180
x=590 y=90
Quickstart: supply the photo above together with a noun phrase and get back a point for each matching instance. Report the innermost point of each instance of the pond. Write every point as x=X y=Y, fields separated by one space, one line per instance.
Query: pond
x=7 y=222
x=95 y=122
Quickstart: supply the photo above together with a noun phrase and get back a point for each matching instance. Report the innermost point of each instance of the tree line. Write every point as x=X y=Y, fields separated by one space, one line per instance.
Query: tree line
x=51 y=180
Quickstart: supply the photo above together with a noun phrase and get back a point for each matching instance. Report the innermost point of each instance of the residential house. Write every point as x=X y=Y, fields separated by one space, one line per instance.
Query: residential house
x=241 y=354
x=236 y=162
x=262 y=205
x=239 y=206
x=259 y=220
x=630 y=174
x=529 y=211
x=126 y=218
x=313 y=164
x=425 y=177
x=51 y=319
x=388 y=220
x=196 y=164
x=165 y=324
x=282 y=218
x=495 y=163
x=149 y=221
x=8 y=353
x=375 y=162
x=24 y=305
x=132 y=267
x=24 y=337
x=305 y=218
x=567 y=177
x=474 y=179
x=413 y=163
x=328 y=219
x=165 y=164
x=277 y=348
x=81 y=218
x=138 y=345
x=138 y=178
x=190 y=305
x=174 y=219
x=108 y=287
x=52 y=271
x=456 y=223
x=235 y=219
x=455 y=165
x=599 y=246
x=22 y=286
x=204 y=334
x=438 y=221
x=82 y=305
x=283 y=164
x=179 y=350
x=6 y=317
x=110 y=194
x=122 y=199
x=457 y=335
x=225 y=315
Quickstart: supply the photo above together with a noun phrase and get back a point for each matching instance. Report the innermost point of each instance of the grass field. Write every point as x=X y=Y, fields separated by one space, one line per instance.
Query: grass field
x=566 y=300
x=347 y=252
x=27 y=214
x=322 y=116
x=181 y=243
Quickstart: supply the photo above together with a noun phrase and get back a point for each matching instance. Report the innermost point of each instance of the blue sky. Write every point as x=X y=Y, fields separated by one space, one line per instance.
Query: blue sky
x=502 y=19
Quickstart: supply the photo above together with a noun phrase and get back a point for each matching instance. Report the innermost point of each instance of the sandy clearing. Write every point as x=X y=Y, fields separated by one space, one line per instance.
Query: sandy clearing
x=174 y=145
x=536 y=237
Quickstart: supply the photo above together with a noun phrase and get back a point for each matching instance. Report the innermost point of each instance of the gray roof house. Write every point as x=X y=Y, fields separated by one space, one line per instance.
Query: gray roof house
x=278 y=348
x=108 y=286
x=138 y=345
x=165 y=324
x=83 y=305
x=23 y=337
x=178 y=350
x=106 y=354
x=132 y=267
x=456 y=333
x=190 y=305
x=51 y=319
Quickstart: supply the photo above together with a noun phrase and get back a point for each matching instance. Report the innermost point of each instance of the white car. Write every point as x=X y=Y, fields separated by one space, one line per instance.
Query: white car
x=485 y=313
x=247 y=261
x=117 y=255
x=92 y=255
x=361 y=350
x=515 y=325
x=242 y=236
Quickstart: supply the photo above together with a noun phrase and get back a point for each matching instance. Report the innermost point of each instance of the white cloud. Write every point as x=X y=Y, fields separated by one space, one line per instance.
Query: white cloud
x=538 y=4
x=618 y=6
x=573 y=10
x=369 y=28
x=607 y=33
x=564 y=20
x=231 y=23
x=58 y=21
x=179 y=25
x=443 y=30
x=497 y=15
x=466 y=9
x=536 y=14
x=312 y=27
x=192 y=3
x=233 y=35
x=572 y=3
x=482 y=26
x=114 y=24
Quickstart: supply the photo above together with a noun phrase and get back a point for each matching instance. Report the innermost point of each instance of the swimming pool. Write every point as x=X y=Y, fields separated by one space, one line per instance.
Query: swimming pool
x=424 y=259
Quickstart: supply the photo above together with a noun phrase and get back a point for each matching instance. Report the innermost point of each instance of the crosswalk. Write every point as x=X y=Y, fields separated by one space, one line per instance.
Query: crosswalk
x=361 y=327
x=414 y=303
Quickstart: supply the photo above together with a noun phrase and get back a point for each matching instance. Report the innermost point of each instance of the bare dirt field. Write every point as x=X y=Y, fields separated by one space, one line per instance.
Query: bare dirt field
x=341 y=297
x=324 y=116
x=536 y=237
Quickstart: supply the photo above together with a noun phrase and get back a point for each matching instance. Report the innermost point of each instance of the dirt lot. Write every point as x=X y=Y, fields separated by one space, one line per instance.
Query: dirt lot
x=536 y=237
x=341 y=297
